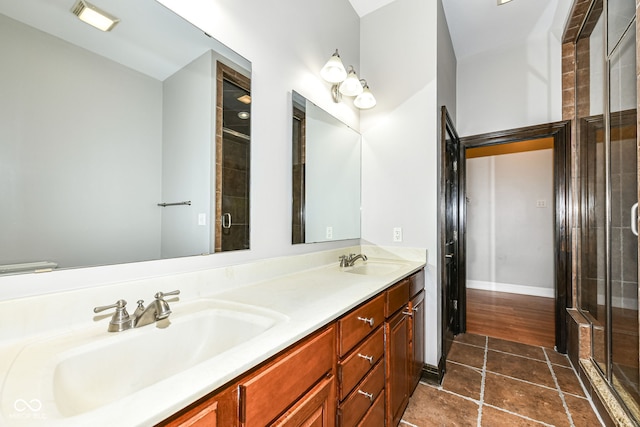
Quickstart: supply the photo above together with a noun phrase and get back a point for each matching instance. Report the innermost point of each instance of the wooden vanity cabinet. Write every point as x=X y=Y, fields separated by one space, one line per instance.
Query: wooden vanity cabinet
x=397 y=366
x=361 y=373
x=404 y=348
x=417 y=339
x=298 y=384
x=217 y=410
x=358 y=371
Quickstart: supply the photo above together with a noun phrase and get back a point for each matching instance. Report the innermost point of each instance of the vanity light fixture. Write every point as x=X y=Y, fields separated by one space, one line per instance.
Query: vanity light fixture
x=94 y=16
x=347 y=83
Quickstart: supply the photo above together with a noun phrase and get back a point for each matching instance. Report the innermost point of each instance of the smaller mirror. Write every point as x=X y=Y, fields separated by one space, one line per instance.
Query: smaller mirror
x=326 y=175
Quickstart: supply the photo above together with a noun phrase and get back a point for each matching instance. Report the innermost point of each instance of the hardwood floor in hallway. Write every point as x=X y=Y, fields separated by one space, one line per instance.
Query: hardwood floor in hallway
x=521 y=318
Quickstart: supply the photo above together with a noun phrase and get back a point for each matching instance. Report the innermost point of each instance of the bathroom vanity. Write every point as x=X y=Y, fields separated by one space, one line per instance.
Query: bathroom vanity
x=272 y=341
x=355 y=370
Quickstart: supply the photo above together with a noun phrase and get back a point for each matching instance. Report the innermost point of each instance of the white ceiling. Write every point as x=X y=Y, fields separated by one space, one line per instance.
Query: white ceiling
x=480 y=25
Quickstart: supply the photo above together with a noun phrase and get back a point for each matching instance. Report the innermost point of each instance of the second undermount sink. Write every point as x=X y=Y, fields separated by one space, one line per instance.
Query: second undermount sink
x=84 y=373
x=374 y=268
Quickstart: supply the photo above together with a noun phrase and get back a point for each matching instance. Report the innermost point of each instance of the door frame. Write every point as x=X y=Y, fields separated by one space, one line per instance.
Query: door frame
x=459 y=258
x=561 y=134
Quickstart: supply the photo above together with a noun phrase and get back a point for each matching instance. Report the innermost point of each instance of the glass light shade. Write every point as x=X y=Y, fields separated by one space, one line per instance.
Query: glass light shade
x=351 y=86
x=365 y=100
x=333 y=71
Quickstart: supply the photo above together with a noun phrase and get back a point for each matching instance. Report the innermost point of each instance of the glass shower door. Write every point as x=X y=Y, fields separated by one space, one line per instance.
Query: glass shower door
x=624 y=239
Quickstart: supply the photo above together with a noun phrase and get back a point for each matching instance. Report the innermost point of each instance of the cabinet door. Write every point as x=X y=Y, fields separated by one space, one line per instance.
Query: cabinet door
x=397 y=360
x=271 y=390
x=219 y=410
x=316 y=409
x=417 y=321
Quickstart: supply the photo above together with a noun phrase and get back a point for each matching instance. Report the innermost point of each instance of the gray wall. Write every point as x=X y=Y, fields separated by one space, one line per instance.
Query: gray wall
x=187 y=143
x=510 y=238
x=119 y=167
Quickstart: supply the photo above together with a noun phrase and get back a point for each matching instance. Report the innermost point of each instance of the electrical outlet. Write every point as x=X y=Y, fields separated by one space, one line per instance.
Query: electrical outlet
x=329 y=234
x=202 y=219
x=541 y=204
x=397 y=234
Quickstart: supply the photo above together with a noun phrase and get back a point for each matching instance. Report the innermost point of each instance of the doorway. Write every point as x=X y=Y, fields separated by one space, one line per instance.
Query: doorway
x=560 y=133
x=509 y=230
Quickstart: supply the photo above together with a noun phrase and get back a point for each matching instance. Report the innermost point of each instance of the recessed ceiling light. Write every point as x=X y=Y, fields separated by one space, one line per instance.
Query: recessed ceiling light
x=244 y=115
x=94 y=16
x=500 y=2
x=245 y=99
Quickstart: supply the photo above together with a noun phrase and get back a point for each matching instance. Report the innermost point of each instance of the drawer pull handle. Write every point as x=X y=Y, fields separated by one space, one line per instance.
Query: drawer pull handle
x=369 y=395
x=368 y=320
x=408 y=313
x=369 y=358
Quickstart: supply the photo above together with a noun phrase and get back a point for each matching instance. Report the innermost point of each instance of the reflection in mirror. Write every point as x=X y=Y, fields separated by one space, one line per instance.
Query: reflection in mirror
x=326 y=175
x=232 y=166
x=107 y=139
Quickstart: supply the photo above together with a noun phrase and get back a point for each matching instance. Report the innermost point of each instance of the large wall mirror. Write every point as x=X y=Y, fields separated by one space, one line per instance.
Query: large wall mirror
x=326 y=175
x=110 y=142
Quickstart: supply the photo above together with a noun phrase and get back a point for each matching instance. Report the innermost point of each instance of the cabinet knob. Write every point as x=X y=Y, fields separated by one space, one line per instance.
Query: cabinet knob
x=368 y=320
x=369 y=358
x=369 y=395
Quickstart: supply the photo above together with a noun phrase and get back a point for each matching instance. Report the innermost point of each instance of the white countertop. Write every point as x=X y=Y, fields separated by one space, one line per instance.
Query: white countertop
x=305 y=300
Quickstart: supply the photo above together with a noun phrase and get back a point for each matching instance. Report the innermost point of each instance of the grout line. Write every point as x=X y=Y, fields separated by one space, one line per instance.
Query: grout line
x=453 y=393
x=520 y=379
x=519 y=415
x=518 y=355
x=482 y=383
x=560 y=393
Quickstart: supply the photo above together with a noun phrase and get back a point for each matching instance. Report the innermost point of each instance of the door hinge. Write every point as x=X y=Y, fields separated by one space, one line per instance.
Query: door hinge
x=455 y=304
x=455 y=235
x=455 y=166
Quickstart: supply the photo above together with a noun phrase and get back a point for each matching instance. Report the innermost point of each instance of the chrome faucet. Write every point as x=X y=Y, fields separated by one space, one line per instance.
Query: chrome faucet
x=349 y=260
x=121 y=321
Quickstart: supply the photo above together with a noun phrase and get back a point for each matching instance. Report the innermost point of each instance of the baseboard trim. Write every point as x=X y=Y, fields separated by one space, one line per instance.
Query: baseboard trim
x=511 y=288
x=433 y=374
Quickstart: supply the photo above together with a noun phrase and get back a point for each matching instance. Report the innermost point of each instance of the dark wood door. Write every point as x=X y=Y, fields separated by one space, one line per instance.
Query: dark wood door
x=452 y=280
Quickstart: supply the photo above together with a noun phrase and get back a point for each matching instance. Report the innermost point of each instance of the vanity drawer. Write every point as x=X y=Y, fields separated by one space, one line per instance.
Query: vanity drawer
x=353 y=327
x=375 y=415
x=397 y=297
x=280 y=384
x=359 y=362
x=417 y=283
x=357 y=403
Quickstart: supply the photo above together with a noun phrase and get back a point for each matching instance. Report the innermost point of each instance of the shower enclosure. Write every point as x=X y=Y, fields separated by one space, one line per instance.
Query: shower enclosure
x=606 y=126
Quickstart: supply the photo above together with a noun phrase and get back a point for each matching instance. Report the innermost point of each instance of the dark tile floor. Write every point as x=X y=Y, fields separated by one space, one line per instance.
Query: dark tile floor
x=491 y=382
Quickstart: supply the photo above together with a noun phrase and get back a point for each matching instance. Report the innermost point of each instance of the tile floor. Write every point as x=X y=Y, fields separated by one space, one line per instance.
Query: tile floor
x=492 y=382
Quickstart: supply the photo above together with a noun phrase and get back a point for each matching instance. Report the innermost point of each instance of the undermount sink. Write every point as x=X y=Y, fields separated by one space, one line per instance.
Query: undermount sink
x=373 y=268
x=86 y=371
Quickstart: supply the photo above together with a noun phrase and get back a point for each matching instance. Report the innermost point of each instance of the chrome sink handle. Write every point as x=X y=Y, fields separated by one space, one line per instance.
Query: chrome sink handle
x=120 y=320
